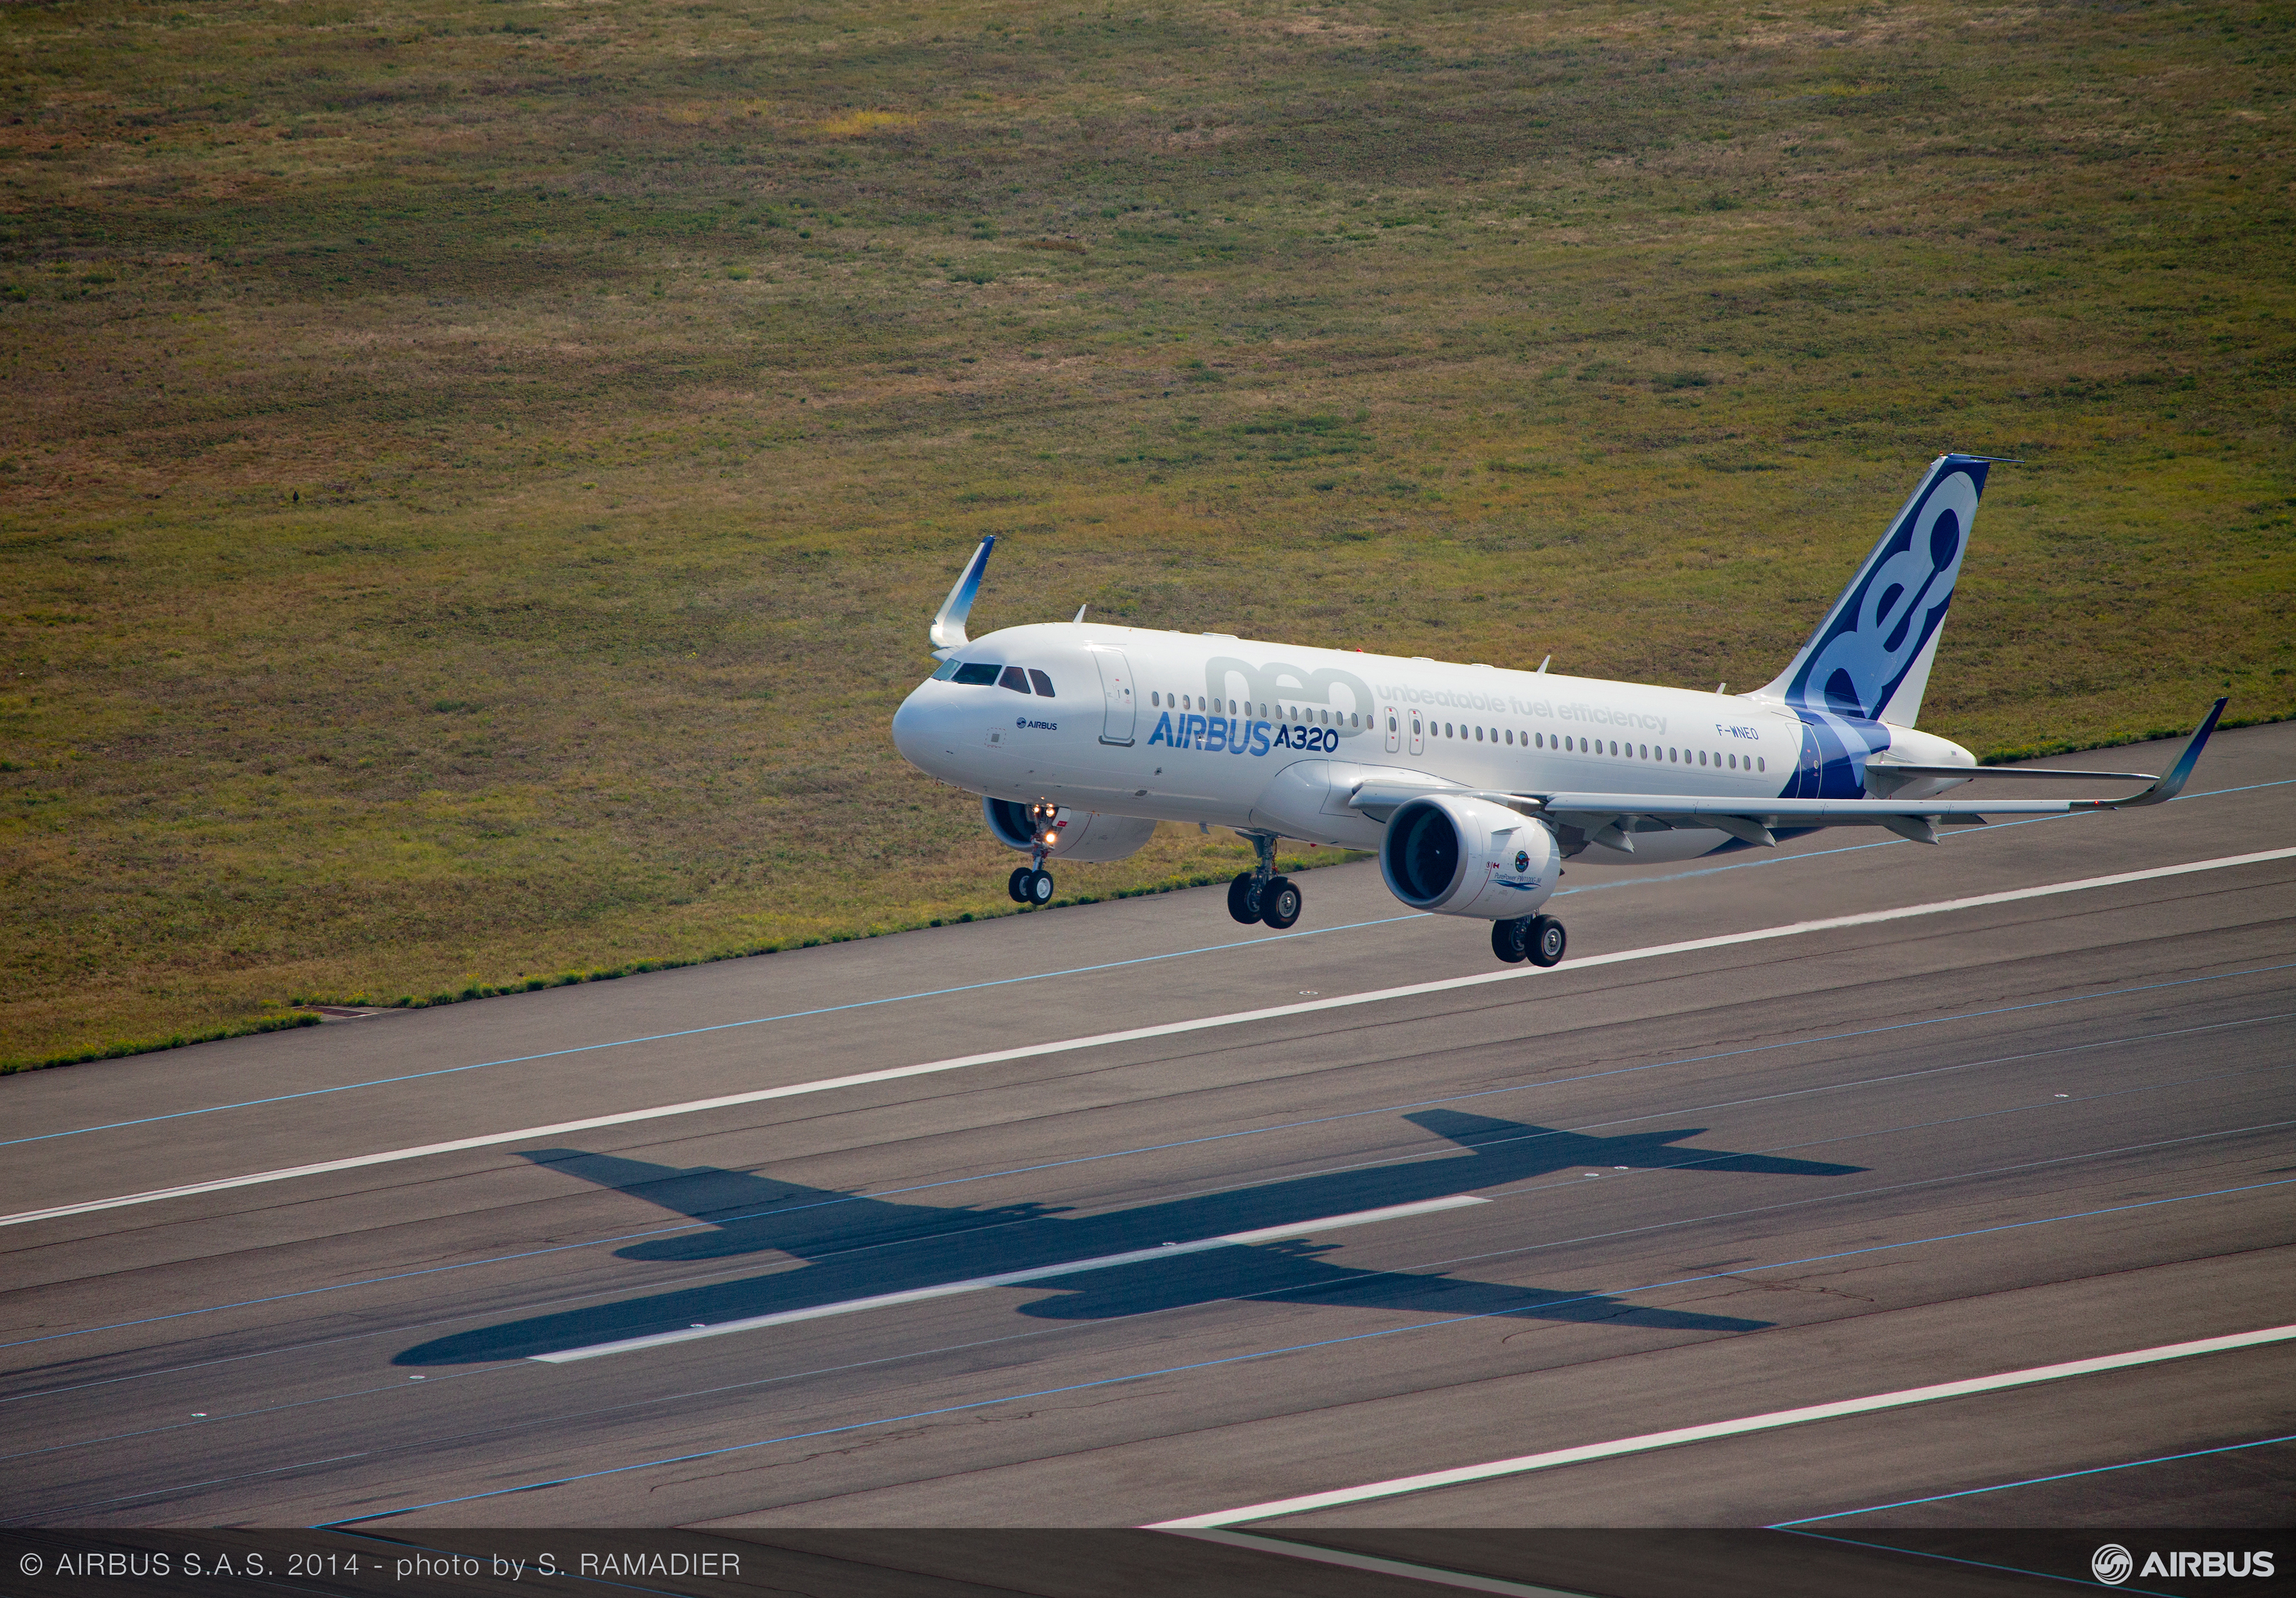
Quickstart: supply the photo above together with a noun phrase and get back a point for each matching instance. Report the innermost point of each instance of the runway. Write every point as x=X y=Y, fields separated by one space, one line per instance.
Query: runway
x=1121 y=1215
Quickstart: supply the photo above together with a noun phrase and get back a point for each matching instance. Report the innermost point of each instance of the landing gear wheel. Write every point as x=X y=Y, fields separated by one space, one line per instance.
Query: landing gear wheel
x=1038 y=888
x=1508 y=939
x=1241 y=898
x=1012 y=885
x=1544 y=945
x=1279 y=903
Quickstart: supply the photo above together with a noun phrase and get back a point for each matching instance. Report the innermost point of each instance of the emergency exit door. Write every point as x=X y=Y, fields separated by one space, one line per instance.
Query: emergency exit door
x=1120 y=704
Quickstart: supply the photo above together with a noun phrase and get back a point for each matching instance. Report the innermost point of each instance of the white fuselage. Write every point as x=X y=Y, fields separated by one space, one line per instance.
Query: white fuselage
x=1270 y=737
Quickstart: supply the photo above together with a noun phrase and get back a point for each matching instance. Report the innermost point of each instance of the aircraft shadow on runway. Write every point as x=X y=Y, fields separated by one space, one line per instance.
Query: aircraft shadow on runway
x=858 y=1247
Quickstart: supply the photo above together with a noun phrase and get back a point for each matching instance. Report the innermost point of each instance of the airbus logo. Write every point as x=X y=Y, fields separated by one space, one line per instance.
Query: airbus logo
x=2113 y=1564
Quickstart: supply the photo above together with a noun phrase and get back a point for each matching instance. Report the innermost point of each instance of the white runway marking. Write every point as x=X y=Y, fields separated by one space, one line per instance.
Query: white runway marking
x=1649 y=1440
x=1043 y=1273
x=1137 y=1034
x=1345 y=1560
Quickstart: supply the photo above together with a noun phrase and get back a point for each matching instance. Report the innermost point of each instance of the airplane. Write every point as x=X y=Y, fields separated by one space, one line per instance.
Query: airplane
x=857 y=1247
x=1473 y=784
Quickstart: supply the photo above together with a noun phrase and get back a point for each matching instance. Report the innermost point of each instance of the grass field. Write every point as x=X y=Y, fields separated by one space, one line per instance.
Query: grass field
x=474 y=476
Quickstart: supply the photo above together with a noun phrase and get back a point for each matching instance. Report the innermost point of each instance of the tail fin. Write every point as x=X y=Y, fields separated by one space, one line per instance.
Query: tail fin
x=1871 y=656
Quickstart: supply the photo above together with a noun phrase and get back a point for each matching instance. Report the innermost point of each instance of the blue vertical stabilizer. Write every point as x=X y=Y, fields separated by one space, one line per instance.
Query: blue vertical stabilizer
x=1870 y=658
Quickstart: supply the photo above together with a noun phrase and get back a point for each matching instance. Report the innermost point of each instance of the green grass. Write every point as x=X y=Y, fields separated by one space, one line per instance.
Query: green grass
x=474 y=477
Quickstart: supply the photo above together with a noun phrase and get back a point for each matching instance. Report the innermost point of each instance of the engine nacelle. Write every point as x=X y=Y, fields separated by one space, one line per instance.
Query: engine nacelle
x=1085 y=835
x=1468 y=857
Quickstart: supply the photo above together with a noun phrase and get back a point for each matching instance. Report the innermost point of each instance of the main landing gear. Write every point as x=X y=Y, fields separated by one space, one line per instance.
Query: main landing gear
x=1032 y=884
x=1537 y=939
x=1260 y=895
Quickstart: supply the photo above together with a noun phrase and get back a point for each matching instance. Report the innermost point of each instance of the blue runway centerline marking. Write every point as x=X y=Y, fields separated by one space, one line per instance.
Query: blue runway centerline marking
x=1259 y=1354
x=1220 y=948
x=2003 y=1486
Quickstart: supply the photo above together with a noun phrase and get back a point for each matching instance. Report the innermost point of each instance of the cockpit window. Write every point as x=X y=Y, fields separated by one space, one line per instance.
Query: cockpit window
x=1014 y=678
x=1044 y=684
x=979 y=672
x=945 y=670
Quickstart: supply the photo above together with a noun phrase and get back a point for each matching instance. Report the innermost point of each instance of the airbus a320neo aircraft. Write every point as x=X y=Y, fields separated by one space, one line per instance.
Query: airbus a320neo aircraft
x=1473 y=784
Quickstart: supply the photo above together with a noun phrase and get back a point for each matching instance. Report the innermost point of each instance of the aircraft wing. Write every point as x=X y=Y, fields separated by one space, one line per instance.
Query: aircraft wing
x=1612 y=818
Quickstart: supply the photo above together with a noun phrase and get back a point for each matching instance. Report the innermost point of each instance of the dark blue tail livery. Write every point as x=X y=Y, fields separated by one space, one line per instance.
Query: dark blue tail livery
x=1870 y=658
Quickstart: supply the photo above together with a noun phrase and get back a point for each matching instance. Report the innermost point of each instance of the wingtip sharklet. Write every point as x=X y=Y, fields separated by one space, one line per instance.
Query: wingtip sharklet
x=947 y=630
x=2171 y=785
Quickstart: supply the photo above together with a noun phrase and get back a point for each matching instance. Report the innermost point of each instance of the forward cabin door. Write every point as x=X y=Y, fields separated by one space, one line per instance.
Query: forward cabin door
x=1122 y=704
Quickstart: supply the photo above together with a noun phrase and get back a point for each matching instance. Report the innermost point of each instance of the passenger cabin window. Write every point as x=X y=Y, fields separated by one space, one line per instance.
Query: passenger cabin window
x=1044 y=684
x=1014 y=678
x=978 y=673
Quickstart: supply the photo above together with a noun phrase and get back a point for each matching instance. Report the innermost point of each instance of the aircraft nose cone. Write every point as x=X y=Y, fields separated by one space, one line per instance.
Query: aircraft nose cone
x=917 y=727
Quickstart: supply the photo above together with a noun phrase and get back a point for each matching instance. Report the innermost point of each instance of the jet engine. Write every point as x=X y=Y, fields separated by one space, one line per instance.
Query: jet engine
x=1084 y=835
x=1468 y=857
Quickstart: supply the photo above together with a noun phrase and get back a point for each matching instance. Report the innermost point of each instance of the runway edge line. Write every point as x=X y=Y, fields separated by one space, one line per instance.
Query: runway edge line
x=1135 y=1035
x=1648 y=1441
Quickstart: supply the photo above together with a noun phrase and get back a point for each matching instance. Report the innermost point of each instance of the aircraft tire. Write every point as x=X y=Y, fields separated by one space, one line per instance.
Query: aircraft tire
x=1546 y=943
x=1038 y=888
x=1508 y=939
x=1280 y=902
x=1013 y=884
x=1239 y=899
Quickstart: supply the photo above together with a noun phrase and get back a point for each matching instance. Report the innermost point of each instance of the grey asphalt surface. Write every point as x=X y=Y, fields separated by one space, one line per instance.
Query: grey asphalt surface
x=1718 y=1184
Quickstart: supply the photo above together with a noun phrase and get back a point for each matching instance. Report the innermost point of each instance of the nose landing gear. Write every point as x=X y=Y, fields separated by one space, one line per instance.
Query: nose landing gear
x=1032 y=884
x=1260 y=895
x=1537 y=939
